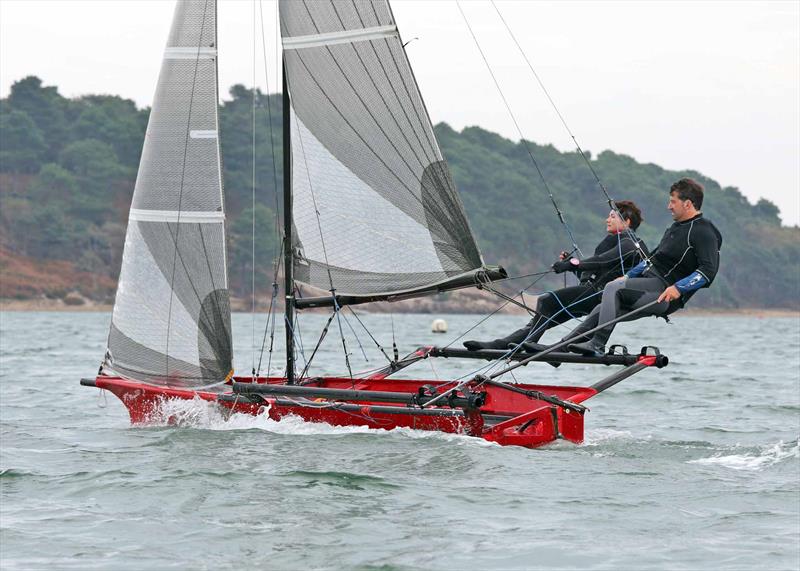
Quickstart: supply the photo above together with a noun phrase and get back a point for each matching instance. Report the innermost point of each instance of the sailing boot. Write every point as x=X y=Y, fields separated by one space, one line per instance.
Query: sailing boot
x=594 y=347
x=516 y=337
x=533 y=347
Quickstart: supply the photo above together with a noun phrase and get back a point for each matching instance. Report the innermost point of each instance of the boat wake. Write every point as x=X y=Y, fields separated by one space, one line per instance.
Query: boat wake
x=201 y=414
x=762 y=458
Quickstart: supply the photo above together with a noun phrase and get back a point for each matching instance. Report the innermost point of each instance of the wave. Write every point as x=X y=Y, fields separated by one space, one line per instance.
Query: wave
x=764 y=458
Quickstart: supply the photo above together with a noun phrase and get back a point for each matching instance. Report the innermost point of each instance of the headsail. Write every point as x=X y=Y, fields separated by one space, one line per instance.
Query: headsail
x=375 y=208
x=171 y=321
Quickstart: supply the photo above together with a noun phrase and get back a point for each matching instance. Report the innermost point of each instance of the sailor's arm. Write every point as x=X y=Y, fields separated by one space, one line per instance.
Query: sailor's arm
x=637 y=270
x=706 y=249
x=619 y=254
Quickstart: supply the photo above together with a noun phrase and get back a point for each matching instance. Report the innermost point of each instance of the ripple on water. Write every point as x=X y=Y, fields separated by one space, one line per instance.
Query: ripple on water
x=685 y=467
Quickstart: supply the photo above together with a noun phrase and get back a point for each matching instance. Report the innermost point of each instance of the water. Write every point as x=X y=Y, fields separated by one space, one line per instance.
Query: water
x=694 y=466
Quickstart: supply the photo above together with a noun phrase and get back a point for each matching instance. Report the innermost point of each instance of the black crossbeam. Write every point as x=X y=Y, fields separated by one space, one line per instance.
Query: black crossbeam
x=472 y=401
x=625 y=359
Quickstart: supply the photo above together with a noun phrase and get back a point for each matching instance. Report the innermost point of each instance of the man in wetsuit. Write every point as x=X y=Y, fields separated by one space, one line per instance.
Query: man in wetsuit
x=687 y=259
x=615 y=254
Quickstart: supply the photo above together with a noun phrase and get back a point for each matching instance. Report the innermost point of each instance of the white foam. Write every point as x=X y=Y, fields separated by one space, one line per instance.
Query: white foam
x=202 y=414
x=769 y=456
x=600 y=435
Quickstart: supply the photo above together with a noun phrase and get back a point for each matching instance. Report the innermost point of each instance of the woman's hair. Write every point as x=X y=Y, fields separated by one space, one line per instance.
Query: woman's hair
x=630 y=212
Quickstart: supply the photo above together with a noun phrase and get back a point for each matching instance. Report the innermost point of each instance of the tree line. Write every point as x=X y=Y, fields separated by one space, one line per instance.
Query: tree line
x=68 y=168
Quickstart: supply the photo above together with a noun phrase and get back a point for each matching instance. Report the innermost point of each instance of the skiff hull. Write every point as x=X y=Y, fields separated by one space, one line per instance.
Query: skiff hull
x=506 y=417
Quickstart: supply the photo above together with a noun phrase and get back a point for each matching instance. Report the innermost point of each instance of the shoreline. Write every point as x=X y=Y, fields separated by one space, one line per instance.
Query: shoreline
x=30 y=305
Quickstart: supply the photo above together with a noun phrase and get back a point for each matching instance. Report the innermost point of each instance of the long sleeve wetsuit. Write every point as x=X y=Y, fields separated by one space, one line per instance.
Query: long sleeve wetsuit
x=687 y=257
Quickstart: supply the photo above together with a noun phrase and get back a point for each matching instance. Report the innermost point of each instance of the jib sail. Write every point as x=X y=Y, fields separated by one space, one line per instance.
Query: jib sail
x=171 y=320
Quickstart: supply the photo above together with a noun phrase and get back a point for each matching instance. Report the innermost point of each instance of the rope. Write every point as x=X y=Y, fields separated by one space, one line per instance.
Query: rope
x=378 y=345
x=500 y=307
x=559 y=213
x=610 y=201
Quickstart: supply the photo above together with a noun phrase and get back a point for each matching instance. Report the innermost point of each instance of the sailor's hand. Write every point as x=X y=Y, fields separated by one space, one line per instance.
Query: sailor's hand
x=563 y=255
x=562 y=266
x=669 y=294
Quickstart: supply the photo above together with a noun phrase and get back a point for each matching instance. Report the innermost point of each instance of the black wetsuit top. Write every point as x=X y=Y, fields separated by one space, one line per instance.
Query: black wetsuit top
x=687 y=256
x=613 y=256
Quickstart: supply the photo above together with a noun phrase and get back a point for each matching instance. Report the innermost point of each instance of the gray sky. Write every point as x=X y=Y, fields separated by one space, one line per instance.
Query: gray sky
x=711 y=86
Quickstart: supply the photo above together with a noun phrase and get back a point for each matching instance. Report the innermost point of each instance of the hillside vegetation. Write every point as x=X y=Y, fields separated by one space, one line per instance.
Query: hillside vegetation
x=68 y=167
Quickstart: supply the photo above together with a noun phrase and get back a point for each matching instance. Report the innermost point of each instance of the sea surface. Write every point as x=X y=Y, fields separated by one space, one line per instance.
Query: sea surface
x=695 y=466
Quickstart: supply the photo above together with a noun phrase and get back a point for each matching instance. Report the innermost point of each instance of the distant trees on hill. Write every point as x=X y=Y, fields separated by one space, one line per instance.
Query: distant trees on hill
x=68 y=168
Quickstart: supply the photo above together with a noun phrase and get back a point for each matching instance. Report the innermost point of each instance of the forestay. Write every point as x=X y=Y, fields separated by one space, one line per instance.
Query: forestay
x=171 y=320
x=375 y=208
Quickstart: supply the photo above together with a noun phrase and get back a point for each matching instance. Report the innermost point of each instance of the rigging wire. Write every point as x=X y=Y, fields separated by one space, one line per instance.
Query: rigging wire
x=277 y=258
x=336 y=307
x=378 y=345
x=525 y=143
x=253 y=210
x=610 y=200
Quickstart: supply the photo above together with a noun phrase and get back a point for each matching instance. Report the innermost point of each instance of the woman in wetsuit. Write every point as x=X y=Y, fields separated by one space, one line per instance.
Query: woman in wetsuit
x=614 y=255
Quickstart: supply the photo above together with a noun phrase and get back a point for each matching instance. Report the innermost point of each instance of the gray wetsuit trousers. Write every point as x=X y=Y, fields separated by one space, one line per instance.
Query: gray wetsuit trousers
x=620 y=297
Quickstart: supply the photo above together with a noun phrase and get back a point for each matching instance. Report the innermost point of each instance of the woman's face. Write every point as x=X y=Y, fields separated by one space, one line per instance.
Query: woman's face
x=615 y=225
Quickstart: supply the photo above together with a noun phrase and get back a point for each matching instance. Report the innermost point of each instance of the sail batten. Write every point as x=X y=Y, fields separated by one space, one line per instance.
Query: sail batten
x=375 y=211
x=171 y=319
x=344 y=37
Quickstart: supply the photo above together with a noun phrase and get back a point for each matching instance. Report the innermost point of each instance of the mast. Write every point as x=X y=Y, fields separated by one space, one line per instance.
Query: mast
x=288 y=265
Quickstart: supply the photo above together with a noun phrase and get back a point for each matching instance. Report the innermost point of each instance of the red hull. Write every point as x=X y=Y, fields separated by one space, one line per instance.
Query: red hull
x=507 y=418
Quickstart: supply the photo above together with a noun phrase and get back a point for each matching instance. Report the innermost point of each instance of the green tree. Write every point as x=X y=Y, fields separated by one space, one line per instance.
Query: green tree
x=46 y=107
x=97 y=170
x=22 y=144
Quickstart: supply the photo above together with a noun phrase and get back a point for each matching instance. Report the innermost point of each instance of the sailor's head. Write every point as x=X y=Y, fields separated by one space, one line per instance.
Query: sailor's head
x=631 y=217
x=685 y=199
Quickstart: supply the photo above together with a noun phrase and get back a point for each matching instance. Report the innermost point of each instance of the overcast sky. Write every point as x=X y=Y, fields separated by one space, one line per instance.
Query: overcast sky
x=710 y=86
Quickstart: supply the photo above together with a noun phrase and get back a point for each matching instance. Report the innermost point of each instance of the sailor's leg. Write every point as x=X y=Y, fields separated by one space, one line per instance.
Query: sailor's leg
x=635 y=293
x=515 y=337
x=590 y=322
x=639 y=293
x=561 y=305
x=607 y=310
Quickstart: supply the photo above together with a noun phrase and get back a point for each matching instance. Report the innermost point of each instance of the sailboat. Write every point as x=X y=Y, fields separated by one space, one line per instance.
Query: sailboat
x=370 y=213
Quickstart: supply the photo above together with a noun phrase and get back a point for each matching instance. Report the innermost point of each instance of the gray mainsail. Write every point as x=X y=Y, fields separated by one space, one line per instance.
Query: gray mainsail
x=171 y=320
x=375 y=208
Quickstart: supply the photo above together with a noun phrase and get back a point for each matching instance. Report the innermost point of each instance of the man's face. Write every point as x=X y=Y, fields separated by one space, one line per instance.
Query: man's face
x=681 y=209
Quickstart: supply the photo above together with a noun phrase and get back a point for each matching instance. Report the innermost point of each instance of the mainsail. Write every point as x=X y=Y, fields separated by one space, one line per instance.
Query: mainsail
x=375 y=212
x=171 y=320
